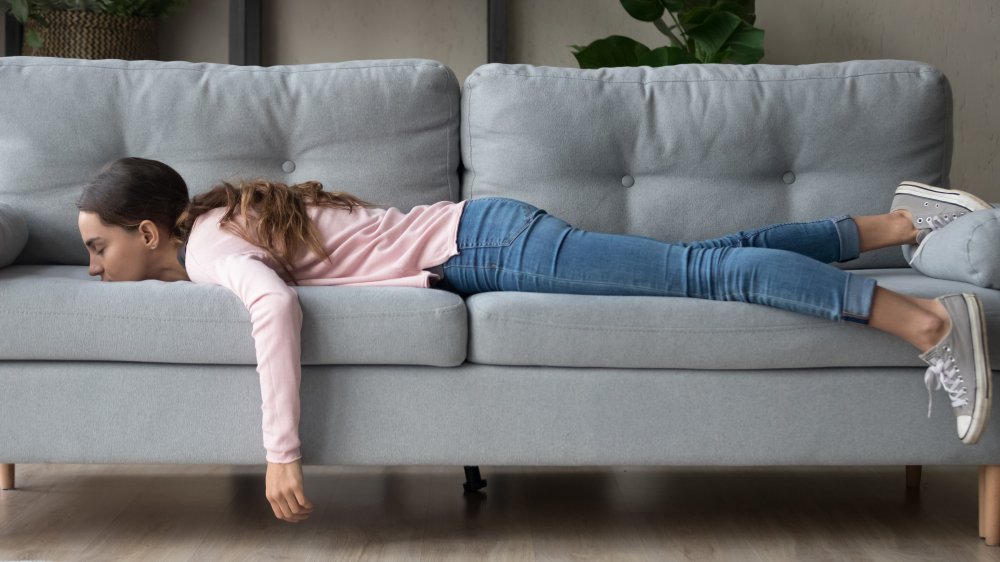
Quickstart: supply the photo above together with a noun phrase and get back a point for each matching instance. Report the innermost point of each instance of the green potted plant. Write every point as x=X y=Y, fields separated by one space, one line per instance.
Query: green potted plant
x=91 y=29
x=703 y=31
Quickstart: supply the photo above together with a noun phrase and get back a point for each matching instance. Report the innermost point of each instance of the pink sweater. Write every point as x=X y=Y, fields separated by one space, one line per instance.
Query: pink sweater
x=368 y=247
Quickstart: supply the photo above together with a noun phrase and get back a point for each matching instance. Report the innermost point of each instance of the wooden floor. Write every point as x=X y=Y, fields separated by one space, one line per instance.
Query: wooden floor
x=620 y=513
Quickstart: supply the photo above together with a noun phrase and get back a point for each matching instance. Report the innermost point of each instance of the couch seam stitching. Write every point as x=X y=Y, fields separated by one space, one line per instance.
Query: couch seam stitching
x=216 y=321
x=210 y=70
x=929 y=71
x=604 y=328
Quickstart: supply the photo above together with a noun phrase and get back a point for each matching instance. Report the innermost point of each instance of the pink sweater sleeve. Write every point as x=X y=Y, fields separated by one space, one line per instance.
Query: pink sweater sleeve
x=276 y=316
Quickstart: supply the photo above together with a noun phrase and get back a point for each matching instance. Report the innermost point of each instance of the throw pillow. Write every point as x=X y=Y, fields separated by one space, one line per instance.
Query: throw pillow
x=967 y=249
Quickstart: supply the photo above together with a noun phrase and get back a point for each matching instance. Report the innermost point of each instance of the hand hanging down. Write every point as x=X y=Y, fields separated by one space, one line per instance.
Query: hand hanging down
x=284 y=491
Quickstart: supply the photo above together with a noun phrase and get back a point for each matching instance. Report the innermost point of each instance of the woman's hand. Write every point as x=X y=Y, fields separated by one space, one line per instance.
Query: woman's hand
x=284 y=491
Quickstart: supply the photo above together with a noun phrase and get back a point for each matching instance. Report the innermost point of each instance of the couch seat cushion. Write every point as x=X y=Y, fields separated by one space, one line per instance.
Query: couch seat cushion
x=562 y=330
x=59 y=312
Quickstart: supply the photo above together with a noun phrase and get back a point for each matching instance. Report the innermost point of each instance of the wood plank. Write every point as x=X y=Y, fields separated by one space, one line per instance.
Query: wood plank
x=219 y=512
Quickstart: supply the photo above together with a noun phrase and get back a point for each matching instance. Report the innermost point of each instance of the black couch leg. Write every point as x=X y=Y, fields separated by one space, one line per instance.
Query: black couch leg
x=472 y=480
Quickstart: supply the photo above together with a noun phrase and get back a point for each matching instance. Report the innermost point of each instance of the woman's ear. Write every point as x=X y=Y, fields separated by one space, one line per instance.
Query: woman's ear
x=150 y=234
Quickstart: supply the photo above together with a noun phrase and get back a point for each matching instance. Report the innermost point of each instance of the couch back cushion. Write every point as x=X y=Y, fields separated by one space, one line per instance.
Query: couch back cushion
x=385 y=130
x=691 y=152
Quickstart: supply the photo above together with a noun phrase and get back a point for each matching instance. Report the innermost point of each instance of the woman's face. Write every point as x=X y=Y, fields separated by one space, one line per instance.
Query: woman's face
x=117 y=254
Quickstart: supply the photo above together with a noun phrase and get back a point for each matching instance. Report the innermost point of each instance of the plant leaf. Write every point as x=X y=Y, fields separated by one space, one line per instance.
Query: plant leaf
x=719 y=56
x=747 y=44
x=614 y=50
x=34 y=40
x=673 y=5
x=20 y=10
x=643 y=10
x=742 y=8
x=695 y=16
x=712 y=34
x=666 y=56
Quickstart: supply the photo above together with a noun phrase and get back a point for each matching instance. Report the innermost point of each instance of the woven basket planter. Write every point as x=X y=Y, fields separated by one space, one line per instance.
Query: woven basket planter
x=91 y=35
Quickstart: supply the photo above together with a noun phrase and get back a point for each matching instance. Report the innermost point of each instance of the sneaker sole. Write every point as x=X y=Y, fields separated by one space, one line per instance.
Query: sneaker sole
x=953 y=196
x=984 y=375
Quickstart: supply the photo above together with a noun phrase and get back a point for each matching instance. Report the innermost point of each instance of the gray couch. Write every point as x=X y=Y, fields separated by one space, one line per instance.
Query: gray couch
x=156 y=372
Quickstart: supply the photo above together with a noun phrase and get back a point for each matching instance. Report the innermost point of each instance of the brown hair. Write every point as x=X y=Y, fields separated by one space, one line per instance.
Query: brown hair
x=279 y=218
x=128 y=190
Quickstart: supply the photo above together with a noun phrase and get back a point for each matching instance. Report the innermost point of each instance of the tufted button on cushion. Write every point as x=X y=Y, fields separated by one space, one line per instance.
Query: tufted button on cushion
x=628 y=181
x=789 y=177
x=686 y=155
x=403 y=110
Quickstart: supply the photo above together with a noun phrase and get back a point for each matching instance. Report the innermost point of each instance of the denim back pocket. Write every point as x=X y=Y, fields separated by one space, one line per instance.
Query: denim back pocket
x=494 y=221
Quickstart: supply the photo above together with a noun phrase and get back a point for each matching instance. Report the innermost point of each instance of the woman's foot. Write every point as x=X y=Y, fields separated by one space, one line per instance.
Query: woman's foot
x=959 y=363
x=950 y=332
x=931 y=207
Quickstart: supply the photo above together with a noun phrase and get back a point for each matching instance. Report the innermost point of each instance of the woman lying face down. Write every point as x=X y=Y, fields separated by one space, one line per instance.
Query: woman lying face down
x=121 y=248
x=136 y=217
x=135 y=220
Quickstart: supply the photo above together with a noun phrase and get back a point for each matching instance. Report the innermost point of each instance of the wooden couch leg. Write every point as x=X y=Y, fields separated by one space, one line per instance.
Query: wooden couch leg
x=982 y=501
x=6 y=476
x=913 y=476
x=989 y=503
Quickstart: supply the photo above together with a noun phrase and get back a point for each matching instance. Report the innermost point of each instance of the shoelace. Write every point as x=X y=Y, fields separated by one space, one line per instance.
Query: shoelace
x=935 y=222
x=944 y=372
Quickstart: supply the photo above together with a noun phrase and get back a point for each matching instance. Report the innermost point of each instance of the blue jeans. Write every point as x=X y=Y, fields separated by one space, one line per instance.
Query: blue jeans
x=509 y=245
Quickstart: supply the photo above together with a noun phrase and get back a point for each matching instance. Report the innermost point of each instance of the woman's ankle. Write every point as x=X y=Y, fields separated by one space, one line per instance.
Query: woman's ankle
x=904 y=225
x=921 y=322
x=890 y=229
x=937 y=328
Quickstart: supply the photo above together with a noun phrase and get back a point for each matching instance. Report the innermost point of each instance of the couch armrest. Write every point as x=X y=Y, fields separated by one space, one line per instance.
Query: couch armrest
x=13 y=234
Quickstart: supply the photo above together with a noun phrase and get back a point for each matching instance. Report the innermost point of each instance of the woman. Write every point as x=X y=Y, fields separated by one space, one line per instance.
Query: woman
x=138 y=223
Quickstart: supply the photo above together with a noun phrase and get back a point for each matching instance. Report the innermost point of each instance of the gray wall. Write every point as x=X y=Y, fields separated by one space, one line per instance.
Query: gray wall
x=953 y=35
